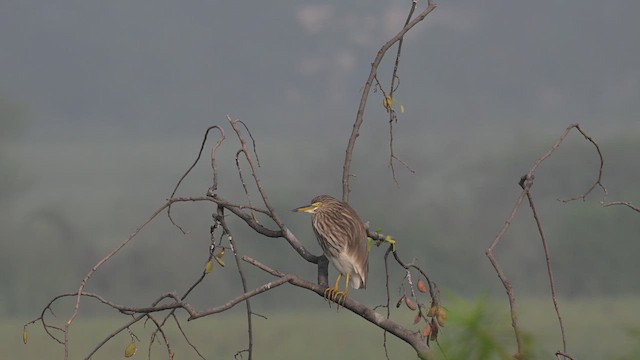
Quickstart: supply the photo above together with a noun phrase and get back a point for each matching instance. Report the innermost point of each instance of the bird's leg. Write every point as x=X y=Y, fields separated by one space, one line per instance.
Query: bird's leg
x=340 y=296
x=330 y=293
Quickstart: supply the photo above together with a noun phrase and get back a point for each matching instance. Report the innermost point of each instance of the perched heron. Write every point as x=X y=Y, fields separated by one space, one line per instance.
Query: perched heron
x=343 y=238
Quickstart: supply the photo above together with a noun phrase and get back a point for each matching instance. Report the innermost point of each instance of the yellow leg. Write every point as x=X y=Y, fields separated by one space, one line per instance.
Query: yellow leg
x=330 y=293
x=334 y=293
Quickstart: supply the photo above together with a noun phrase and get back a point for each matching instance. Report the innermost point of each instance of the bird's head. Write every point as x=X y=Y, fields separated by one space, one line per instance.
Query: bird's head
x=318 y=203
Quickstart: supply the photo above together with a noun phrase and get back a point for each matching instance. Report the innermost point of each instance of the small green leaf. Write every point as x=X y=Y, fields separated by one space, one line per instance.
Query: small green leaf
x=378 y=231
x=391 y=241
x=208 y=267
x=369 y=243
x=25 y=335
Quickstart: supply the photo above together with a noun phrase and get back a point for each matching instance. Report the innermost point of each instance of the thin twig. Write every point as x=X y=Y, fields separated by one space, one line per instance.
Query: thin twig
x=598 y=181
x=244 y=185
x=549 y=269
x=564 y=356
x=220 y=219
x=501 y=275
x=254 y=172
x=252 y=141
x=164 y=337
x=388 y=299
x=204 y=141
x=392 y=88
x=184 y=335
x=624 y=203
x=346 y=174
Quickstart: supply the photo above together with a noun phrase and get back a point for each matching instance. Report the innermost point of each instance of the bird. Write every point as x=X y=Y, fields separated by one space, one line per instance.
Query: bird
x=343 y=239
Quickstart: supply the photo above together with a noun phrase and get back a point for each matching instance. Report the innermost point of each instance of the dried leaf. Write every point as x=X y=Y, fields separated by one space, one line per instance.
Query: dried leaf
x=426 y=330
x=410 y=303
x=421 y=286
x=434 y=331
x=432 y=310
x=400 y=301
x=442 y=316
x=417 y=318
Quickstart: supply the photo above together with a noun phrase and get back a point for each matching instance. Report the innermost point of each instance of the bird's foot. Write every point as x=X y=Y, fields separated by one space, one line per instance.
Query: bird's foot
x=334 y=294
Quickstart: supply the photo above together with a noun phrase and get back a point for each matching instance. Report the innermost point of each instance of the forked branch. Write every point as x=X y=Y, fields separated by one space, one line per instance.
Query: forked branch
x=526 y=182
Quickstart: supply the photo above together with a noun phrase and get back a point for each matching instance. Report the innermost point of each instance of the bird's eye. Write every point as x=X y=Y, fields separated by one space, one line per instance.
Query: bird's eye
x=316 y=204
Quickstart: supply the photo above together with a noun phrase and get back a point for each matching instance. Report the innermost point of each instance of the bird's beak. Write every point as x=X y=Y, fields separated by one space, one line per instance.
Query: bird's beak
x=307 y=208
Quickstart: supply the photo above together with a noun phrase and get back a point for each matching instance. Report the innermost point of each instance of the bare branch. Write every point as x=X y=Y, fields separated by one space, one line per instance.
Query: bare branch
x=624 y=203
x=254 y=173
x=549 y=269
x=220 y=219
x=215 y=178
x=365 y=95
x=184 y=335
x=235 y=301
x=525 y=183
x=392 y=88
x=412 y=338
x=598 y=181
x=501 y=275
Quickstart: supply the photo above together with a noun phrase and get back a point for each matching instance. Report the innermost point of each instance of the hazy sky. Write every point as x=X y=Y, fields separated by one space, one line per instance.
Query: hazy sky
x=134 y=68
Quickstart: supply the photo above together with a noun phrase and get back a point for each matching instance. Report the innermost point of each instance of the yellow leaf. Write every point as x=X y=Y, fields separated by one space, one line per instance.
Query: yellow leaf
x=432 y=311
x=130 y=350
x=25 y=335
x=387 y=102
x=442 y=316
x=401 y=108
x=369 y=243
x=219 y=260
x=208 y=267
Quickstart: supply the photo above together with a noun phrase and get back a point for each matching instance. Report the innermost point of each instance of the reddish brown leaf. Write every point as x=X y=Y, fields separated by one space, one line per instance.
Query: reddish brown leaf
x=417 y=318
x=410 y=303
x=422 y=286
x=426 y=330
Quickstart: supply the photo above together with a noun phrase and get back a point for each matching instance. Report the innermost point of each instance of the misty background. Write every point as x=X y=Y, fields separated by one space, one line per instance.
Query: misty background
x=104 y=105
